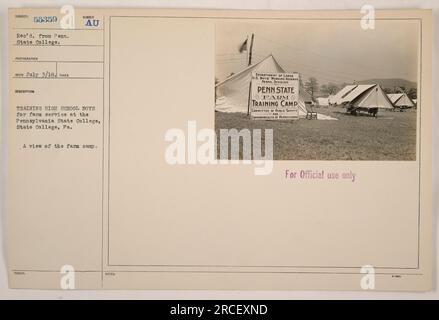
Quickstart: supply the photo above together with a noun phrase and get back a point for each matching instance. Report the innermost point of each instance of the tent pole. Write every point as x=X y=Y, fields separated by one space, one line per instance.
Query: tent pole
x=249 y=63
x=251 y=50
x=246 y=50
x=249 y=97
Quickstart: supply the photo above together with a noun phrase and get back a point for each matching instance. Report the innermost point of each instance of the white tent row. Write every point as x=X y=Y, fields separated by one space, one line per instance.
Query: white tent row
x=401 y=100
x=232 y=94
x=366 y=96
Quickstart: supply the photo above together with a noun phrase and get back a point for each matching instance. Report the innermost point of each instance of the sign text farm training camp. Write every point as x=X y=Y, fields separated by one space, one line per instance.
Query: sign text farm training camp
x=274 y=96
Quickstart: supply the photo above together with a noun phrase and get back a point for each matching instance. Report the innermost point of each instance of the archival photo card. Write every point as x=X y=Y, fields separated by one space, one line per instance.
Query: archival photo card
x=219 y=149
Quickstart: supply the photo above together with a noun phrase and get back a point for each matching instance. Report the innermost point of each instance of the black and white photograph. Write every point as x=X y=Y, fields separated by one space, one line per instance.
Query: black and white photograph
x=357 y=86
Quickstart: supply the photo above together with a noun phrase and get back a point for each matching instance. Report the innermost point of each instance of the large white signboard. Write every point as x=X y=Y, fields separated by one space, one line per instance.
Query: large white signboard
x=274 y=96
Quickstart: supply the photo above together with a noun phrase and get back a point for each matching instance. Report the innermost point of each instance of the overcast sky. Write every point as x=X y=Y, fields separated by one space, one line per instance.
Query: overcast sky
x=331 y=51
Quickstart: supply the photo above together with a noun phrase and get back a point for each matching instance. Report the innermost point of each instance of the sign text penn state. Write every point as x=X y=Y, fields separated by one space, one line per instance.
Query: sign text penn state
x=274 y=96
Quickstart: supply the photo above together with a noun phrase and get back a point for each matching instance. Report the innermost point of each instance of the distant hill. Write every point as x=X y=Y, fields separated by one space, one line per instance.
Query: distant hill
x=391 y=83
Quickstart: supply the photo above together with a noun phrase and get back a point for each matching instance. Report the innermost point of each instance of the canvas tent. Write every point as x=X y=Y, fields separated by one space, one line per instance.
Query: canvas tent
x=401 y=100
x=232 y=93
x=362 y=96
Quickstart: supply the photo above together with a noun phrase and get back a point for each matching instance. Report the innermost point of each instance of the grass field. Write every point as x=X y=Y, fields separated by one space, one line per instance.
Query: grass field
x=389 y=136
